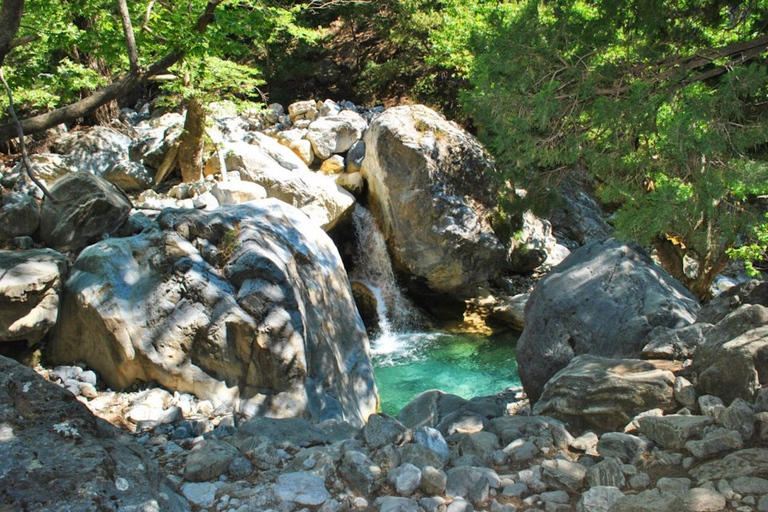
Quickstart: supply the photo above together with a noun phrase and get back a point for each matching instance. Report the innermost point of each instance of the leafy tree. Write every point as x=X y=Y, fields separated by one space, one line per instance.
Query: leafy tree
x=663 y=101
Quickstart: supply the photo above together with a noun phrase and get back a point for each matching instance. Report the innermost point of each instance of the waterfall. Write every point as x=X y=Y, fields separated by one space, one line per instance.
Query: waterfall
x=373 y=269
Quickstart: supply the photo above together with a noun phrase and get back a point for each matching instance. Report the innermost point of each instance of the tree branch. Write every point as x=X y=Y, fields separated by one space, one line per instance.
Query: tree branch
x=117 y=89
x=130 y=39
x=24 y=157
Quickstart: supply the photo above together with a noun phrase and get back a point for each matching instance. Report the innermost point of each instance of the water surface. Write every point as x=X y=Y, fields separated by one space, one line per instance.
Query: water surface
x=467 y=365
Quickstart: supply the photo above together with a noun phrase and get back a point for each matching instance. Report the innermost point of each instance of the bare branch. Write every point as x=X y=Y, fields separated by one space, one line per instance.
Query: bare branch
x=24 y=157
x=21 y=41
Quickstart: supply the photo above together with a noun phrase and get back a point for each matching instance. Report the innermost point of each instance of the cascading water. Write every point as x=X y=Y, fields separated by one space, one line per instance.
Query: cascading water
x=408 y=359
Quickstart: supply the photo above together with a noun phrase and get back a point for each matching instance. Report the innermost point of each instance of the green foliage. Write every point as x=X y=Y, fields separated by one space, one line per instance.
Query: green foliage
x=654 y=98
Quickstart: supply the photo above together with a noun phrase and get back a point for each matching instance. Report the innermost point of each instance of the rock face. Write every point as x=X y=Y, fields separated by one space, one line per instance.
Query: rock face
x=605 y=394
x=602 y=300
x=57 y=456
x=429 y=190
x=30 y=282
x=89 y=208
x=247 y=304
x=94 y=150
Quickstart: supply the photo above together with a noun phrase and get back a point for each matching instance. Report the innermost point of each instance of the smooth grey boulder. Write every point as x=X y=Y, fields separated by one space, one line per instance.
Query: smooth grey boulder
x=360 y=472
x=301 y=488
x=381 y=430
x=30 y=287
x=209 y=460
x=88 y=209
x=57 y=456
x=430 y=191
x=605 y=394
x=445 y=412
x=246 y=305
x=750 y=292
x=602 y=300
x=19 y=215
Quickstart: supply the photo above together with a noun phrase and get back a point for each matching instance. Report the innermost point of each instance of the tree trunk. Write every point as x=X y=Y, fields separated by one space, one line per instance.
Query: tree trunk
x=10 y=19
x=191 y=142
x=671 y=256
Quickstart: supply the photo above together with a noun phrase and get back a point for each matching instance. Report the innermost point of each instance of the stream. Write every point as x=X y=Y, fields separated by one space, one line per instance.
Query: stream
x=409 y=359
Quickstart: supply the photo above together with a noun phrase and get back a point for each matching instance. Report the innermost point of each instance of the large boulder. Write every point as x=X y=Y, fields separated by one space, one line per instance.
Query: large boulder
x=30 y=283
x=94 y=150
x=86 y=209
x=246 y=305
x=57 y=456
x=285 y=177
x=335 y=134
x=431 y=192
x=605 y=394
x=602 y=300
x=47 y=168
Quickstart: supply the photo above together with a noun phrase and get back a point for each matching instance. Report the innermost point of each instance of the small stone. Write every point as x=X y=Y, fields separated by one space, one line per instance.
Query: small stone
x=460 y=505
x=700 y=499
x=202 y=494
x=711 y=406
x=640 y=481
x=715 y=441
x=432 y=438
x=684 y=391
x=333 y=165
x=395 y=504
x=240 y=468
x=739 y=417
x=673 y=485
x=433 y=480
x=517 y=490
x=209 y=460
x=599 y=499
x=609 y=473
x=563 y=474
x=750 y=485
x=585 y=443
x=724 y=488
x=672 y=431
x=762 y=505
x=521 y=450
x=626 y=447
x=432 y=503
x=301 y=488
x=405 y=478
x=555 y=497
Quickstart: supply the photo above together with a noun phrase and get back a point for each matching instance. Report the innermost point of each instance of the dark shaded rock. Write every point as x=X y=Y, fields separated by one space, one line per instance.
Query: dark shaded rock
x=30 y=283
x=58 y=457
x=19 y=216
x=90 y=208
x=602 y=300
x=751 y=292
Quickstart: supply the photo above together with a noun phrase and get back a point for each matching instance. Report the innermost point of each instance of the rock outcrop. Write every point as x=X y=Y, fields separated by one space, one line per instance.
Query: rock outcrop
x=233 y=305
x=602 y=300
x=57 y=456
x=430 y=191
